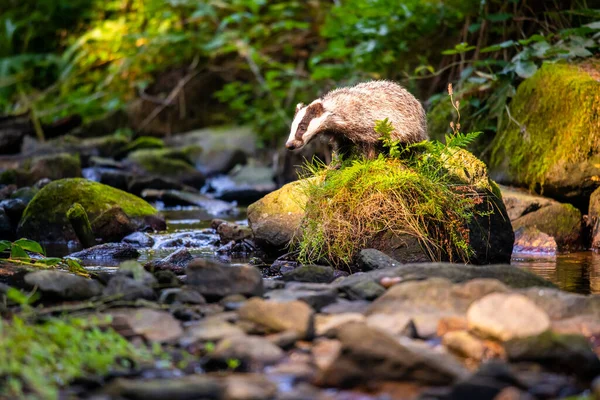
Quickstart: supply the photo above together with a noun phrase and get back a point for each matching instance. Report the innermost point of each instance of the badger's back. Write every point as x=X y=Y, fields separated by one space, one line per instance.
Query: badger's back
x=359 y=107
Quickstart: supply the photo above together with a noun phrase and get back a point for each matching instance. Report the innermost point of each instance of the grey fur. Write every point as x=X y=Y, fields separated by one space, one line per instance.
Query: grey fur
x=350 y=114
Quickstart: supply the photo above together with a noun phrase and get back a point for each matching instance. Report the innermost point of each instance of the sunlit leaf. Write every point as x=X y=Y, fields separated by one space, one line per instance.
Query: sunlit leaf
x=17 y=253
x=4 y=245
x=498 y=46
x=525 y=69
x=30 y=245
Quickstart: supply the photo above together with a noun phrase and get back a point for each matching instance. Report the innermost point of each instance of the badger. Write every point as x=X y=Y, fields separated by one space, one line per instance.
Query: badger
x=346 y=117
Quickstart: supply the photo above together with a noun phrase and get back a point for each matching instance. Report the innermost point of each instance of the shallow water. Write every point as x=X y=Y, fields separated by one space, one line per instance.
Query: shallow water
x=575 y=272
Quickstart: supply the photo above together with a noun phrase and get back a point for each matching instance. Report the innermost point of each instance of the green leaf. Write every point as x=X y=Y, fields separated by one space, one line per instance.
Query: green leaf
x=594 y=25
x=532 y=39
x=17 y=253
x=499 y=17
x=525 y=69
x=50 y=261
x=30 y=245
x=498 y=47
x=4 y=245
x=459 y=49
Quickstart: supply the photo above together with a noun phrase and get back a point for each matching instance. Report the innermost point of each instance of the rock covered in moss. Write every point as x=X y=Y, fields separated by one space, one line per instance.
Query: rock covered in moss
x=562 y=222
x=551 y=141
x=173 y=164
x=53 y=166
x=594 y=215
x=280 y=217
x=276 y=218
x=45 y=217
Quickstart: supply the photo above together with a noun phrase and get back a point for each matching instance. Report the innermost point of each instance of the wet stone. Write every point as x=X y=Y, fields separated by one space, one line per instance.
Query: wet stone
x=496 y=316
x=317 y=299
x=215 y=280
x=325 y=324
x=153 y=325
x=63 y=285
x=561 y=353
x=176 y=262
x=249 y=387
x=139 y=240
x=251 y=350
x=126 y=288
x=209 y=329
x=110 y=251
x=184 y=295
x=275 y=316
x=369 y=355
x=486 y=383
x=14 y=209
x=309 y=273
x=370 y=259
x=185 y=388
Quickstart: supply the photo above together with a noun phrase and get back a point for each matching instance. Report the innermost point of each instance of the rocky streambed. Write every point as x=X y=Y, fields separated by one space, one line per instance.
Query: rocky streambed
x=236 y=325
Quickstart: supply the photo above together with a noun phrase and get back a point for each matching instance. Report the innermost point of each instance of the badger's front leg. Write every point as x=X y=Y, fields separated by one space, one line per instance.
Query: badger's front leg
x=336 y=153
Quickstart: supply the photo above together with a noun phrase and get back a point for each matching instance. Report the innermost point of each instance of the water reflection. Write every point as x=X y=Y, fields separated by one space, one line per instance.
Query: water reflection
x=575 y=272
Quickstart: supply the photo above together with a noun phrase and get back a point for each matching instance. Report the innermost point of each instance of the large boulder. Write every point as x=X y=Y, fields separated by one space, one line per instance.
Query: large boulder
x=551 y=140
x=279 y=218
x=45 y=217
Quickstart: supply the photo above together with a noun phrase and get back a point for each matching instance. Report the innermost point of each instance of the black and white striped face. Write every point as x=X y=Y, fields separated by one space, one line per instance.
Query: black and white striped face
x=306 y=125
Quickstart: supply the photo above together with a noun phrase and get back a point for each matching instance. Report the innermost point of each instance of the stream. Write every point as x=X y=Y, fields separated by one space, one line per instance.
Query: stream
x=190 y=227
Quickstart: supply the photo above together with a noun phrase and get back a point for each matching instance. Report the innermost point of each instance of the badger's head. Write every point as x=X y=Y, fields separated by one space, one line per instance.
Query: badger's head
x=308 y=122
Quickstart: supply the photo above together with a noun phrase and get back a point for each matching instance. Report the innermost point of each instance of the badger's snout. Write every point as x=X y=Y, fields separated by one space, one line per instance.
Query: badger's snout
x=293 y=145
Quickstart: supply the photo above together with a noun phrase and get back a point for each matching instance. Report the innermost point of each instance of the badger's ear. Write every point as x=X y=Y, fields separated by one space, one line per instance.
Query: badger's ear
x=316 y=108
x=299 y=107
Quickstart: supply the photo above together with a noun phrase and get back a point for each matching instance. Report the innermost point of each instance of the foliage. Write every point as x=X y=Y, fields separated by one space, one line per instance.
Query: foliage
x=272 y=54
x=545 y=131
x=411 y=191
x=37 y=360
x=488 y=81
x=20 y=253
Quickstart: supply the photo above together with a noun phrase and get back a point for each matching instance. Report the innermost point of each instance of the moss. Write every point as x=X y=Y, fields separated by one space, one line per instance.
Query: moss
x=8 y=177
x=351 y=207
x=165 y=161
x=559 y=108
x=144 y=142
x=468 y=169
x=47 y=211
x=561 y=221
x=38 y=360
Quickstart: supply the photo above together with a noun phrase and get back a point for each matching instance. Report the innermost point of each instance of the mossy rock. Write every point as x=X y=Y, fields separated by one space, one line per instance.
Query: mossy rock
x=280 y=217
x=560 y=221
x=53 y=167
x=167 y=163
x=143 y=142
x=552 y=143
x=45 y=218
x=275 y=219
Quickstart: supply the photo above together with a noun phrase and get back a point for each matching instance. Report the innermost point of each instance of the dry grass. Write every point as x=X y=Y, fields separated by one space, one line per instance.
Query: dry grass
x=352 y=205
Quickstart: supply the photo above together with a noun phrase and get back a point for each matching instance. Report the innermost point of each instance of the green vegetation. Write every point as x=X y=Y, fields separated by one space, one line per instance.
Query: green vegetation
x=45 y=216
x=271 y=54
x=55 y=199
x=39 y=359
x=555 y=122
x=20 y=254
x=418 y=190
